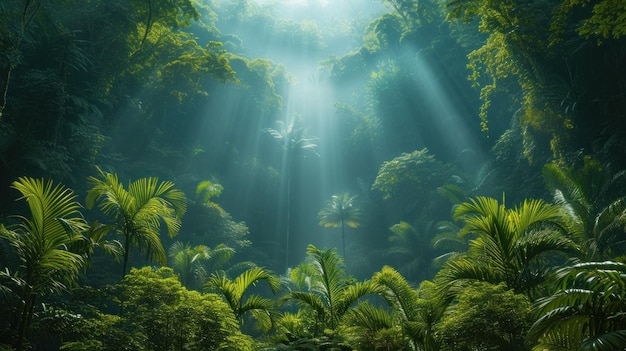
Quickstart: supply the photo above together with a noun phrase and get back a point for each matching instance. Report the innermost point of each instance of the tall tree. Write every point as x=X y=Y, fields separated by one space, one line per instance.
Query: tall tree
x=137 y=212
x=41 y=243
x=341 y=211
x=295 y=143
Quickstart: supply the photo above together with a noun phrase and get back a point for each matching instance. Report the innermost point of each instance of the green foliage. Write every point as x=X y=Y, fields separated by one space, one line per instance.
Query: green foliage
x=292 y=137
x=261 y=79
x=207 y=190
x=486 y=317
x=417 y=310
x=410 y=170
x=233 y=291
x=330 y=292
x=171 y=317
x=372 y=328
x=410 y=249
x=448 y=241
x=339 y=212
x=603 y=19
x=136 y=213
x=41 y=244
x=586 y=310
x=510 y=62
x=409 y=180
x=195 y=264
x=511 y=246
x=364 y=129
x=593 y=201
x=95 y=331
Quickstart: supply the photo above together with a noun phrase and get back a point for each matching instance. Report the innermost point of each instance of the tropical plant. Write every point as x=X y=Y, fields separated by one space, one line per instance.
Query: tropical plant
x=207 y=190
x=448 y=242
x=96 y=237
x=41 y=244
x=137 y=212
x=510 y=245
x=417 y=310
x=193 y=264
x=407 y=183
x=295 y=143
x=586 y=311
x=233 y=291
x=486 y=317
x=329 y=291
x=369 y=327
x=594 y=204
x=341 y=211
x=171 y=317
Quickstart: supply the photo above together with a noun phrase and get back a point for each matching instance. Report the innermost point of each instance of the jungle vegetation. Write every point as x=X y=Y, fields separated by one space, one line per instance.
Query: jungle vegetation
x=429 y=175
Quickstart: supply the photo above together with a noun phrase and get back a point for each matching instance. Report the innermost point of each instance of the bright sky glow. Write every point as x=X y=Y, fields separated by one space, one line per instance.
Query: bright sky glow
x=304 y=2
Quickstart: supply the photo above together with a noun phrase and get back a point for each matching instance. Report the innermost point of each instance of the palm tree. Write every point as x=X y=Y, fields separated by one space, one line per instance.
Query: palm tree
x=329 y=290
x=594 y=202
x=417 y=310
x=233 y=291
x=190 y=263
x=294 y=142
x=371 y=327
x=340 y=211
x=587 y=311
x=510 y=245
x=41 y=243
x=137 y=212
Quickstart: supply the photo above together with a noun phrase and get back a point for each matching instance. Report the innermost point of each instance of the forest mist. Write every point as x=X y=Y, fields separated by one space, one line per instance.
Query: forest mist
x=275 y=135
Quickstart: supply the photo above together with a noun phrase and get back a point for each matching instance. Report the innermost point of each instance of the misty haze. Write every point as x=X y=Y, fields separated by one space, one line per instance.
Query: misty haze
x=270 y=175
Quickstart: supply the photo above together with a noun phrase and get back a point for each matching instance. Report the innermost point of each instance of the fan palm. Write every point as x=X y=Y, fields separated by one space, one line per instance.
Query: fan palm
x=594 y=202
x=233 y=291
x=588 y=310
x=137 y=212
x=510 y=244
x=331 y=291
x=294 y=143
x=41 y=242
x=340 y=212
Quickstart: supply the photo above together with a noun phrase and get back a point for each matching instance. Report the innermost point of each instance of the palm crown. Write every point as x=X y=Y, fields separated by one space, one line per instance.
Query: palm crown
x=340 y=212
x=138 y=212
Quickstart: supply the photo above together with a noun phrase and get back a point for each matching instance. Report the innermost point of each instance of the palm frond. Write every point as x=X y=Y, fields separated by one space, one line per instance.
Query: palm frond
x=254 y=275
x=353 y=293
x=43 y=239
x=308 y=300
x=457 y=273
x=609 y=341
x=397 y=292
x=369 y=317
